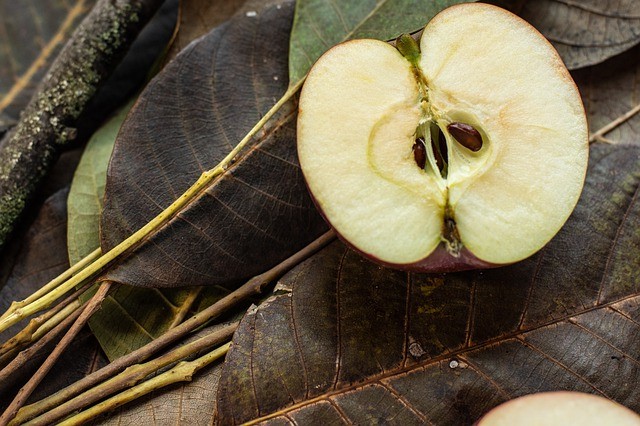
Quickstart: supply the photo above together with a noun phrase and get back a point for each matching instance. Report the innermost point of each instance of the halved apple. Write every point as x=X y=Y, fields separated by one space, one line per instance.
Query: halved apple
x=560 y=408
x=469 y=151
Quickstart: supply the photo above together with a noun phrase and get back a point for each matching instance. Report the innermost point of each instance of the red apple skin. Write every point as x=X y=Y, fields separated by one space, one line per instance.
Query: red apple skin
x=439 y=261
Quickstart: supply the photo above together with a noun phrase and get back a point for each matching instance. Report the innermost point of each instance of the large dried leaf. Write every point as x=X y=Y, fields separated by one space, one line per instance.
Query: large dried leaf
x=353 y=342
x=41 y=258
x=321 y=24
x=584 y=32
x=185 y=122
x=31 y=35
x=609 y=90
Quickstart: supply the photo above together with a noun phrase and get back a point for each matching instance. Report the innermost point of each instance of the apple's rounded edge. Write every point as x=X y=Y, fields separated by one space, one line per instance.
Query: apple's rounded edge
x=568 y=398
x=562 y=71
x=439 y=261
x=559 y=63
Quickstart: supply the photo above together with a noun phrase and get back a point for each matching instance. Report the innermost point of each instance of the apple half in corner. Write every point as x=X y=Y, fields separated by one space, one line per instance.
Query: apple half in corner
x=560 y=408
x=468 y=151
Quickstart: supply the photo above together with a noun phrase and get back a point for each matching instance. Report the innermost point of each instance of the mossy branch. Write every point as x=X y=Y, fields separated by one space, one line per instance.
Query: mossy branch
x=49 y=121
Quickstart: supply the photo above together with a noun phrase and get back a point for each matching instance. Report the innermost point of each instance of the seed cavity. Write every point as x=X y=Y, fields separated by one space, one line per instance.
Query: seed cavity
x=466 y=135
x=420 y=153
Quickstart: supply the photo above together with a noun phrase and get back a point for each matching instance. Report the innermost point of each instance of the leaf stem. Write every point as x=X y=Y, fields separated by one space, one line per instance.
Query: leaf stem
x=137 y=237
x=250 y=288
x=26 y=391
x=182 y=372
x=131 y=376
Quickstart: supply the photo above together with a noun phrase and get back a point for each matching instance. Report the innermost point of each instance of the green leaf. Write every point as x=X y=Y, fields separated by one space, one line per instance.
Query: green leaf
x=87 y=189
x=321 y=24
x=130 y=317
x=352 y=342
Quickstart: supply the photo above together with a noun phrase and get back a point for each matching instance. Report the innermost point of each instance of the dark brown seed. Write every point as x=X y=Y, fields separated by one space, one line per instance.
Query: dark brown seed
x=466 y=135
x=420 y=153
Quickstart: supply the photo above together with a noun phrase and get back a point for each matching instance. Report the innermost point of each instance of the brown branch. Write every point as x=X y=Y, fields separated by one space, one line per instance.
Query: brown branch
x=30 y=333
x=599 y=135
x=132 y=376
x=23 y=357
x=49 y=121
x=182 y=372
x=26 y=391
x=254 y=286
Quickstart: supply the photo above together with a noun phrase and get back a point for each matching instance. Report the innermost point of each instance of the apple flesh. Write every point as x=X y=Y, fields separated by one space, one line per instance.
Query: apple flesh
x=467 y=152
x=560 y=409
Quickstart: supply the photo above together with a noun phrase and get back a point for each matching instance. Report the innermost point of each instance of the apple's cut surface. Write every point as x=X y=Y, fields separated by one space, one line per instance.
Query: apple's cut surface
x=468 y=151
x=560 y=409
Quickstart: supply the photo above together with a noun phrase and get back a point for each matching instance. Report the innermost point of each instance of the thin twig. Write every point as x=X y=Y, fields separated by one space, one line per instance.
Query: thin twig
x=251 y=288
x=183 y=372
x=131 y=376
x=599 y=135
x=26 y=391
x=24 y=356
x=42 y=332
x=89 y=259
x=186 y=306
x=38 y=326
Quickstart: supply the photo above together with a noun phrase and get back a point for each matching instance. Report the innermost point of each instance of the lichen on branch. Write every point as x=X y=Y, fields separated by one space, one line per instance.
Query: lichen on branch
x=49 y=122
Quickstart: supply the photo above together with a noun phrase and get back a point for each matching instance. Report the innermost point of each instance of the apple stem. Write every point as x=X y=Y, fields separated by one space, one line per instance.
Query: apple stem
x=409 y=48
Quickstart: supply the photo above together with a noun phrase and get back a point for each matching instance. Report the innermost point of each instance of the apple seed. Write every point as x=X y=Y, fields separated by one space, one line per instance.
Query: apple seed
x=466 y=136
x=420 y=153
